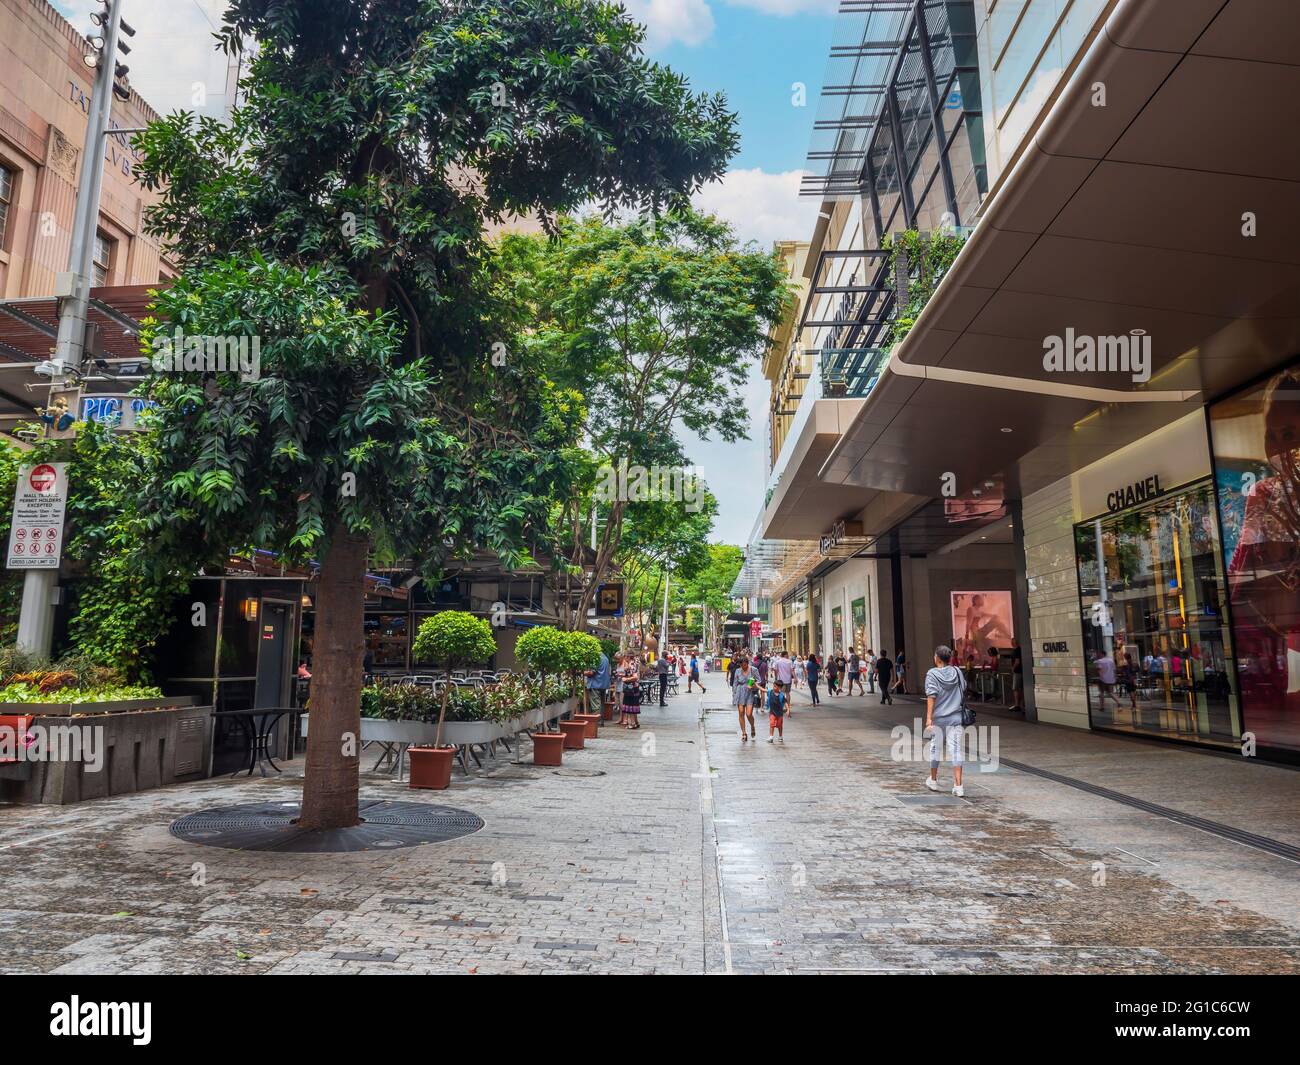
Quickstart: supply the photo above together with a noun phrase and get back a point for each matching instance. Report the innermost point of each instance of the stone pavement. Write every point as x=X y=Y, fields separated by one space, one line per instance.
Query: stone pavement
x=679 y=849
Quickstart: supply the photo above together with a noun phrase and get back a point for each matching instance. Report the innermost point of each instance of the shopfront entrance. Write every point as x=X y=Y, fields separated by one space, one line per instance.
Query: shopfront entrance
x=1158 y=649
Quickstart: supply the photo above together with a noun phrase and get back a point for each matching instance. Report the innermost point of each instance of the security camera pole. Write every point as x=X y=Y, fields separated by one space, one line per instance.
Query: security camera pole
x=36 y=621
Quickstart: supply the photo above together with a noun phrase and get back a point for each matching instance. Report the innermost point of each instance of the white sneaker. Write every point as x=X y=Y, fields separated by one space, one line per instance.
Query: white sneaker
x=744 y=737
x=769 y=739
x=931 y=783
x=782 y=739
x=959 y=791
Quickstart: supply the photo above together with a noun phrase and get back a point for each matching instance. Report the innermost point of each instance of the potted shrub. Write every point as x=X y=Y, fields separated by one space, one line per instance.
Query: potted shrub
x=543 y=648
x=583 y=653
x=453 y=639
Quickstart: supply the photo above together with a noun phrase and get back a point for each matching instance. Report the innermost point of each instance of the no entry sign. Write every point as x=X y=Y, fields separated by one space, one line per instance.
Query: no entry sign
x=36 y=537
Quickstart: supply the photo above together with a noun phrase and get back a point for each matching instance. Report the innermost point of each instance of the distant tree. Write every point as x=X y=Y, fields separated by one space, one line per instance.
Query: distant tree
x=656 y=323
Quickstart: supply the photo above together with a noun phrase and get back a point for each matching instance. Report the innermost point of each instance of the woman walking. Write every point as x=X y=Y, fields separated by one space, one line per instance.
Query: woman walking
x=813 y=669
x=631 y=695
x=945 y=690
x=832 y=674
x=743 y=686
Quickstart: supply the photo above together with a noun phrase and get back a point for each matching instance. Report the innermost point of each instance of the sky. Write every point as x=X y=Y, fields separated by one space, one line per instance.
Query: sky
x=755 y=52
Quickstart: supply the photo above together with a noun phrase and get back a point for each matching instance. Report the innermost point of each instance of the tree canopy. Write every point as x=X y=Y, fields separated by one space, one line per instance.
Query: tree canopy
x=339 y=219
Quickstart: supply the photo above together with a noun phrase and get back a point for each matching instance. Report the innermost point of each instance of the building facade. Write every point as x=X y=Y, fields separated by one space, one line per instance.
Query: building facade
x=1115 y=527
x=44 y=101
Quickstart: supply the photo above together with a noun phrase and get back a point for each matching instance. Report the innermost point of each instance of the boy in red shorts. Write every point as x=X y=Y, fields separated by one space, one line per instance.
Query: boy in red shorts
x=776 y=704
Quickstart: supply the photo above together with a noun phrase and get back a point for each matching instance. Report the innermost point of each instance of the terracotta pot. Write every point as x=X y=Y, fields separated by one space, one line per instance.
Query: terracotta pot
x=592 y=721
x=607 y=711
x=548 y=748
x=575 y=733
x=431 y=766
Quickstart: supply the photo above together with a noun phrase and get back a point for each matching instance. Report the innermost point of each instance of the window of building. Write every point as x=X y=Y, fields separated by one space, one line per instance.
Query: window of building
x=1256 y=441
x=103 y=261
x=6 y=197
x=1152 y=602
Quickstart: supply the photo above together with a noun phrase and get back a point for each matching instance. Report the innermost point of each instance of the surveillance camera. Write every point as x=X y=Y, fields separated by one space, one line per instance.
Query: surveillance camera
x=49 y=368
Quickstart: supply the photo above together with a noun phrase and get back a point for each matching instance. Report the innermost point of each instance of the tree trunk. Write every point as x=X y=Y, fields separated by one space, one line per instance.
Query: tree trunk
x=329 y=795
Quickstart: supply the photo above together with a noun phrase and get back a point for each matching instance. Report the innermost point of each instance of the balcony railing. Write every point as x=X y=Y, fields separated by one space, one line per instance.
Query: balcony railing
x=850 y=373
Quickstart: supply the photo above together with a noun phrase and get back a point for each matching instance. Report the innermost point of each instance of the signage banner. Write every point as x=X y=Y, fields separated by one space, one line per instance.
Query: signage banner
x=609 y=600
x=36 y=537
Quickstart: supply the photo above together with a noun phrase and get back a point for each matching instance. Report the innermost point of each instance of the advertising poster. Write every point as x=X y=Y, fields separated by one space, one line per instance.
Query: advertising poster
x=837 y=629
x=980 y=620
x=859 y=609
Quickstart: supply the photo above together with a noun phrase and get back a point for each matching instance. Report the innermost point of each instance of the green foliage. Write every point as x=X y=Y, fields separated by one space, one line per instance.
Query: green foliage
x=31 y=693
x=609 y=648
x=711 y=584
x=453 y=638
x=582 y=651
x=507 y=700
x=123 y=602
x=332 y=218
x=653 y=321
x=929 y=255
x=544 y=649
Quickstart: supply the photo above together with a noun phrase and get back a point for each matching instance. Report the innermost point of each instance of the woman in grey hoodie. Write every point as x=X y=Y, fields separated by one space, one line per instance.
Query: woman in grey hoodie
x=945 y=689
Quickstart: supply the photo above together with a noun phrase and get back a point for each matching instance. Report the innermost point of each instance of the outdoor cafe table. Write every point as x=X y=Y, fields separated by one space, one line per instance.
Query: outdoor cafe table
x=259 y=726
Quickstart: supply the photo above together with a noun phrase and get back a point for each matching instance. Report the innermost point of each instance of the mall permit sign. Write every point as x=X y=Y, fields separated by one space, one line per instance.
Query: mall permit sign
x=36 y=536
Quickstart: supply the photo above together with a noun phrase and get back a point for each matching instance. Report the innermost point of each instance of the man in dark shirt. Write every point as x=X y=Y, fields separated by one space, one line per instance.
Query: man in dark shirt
x=885 y=675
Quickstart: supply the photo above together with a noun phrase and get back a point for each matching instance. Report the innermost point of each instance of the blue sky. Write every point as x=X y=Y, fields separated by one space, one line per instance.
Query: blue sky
x=753 y=51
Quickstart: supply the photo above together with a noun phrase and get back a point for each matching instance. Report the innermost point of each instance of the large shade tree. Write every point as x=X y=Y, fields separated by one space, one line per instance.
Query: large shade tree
x=657 y=321
x=340 y=217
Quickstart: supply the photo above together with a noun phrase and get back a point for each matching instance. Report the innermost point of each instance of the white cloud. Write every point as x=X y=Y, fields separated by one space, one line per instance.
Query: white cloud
x=666 y=21
x=761 y=206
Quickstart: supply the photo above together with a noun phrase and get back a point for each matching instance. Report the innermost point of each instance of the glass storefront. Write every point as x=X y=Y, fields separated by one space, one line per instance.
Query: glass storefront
x=1255 y=439
x=1157 y=645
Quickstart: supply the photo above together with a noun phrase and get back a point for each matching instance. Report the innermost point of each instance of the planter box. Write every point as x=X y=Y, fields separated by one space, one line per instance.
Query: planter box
x=58 y=709
x=456 y=733
x=124 y=751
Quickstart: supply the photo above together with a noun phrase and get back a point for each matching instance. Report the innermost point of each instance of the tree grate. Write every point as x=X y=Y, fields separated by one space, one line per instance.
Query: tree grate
x=268 y=826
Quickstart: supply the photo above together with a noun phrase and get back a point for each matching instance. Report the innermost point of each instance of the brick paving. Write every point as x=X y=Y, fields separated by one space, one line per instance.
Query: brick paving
x=676 y=849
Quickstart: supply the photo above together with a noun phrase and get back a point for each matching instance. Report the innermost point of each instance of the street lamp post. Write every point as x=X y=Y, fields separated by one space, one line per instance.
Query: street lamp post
x=663 y=628
x=36 y=619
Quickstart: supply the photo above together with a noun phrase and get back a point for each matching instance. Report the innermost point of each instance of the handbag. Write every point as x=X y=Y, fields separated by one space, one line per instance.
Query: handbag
x=967 y=714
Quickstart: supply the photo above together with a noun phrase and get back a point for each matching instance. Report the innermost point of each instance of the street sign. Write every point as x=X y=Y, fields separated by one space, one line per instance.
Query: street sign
x=36 y=537
x=609 y=600
x=756 y=627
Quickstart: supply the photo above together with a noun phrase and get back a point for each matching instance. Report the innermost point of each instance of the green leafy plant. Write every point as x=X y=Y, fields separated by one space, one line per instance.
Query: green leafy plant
x=453 y=638
x=33 y=693
x=928 y=257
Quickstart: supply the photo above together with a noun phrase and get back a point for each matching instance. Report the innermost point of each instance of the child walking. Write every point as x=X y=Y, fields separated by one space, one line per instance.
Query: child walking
x=776 y=703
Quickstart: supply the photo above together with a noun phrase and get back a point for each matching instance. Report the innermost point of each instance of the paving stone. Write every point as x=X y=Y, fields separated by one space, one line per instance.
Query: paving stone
x=822 y=855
